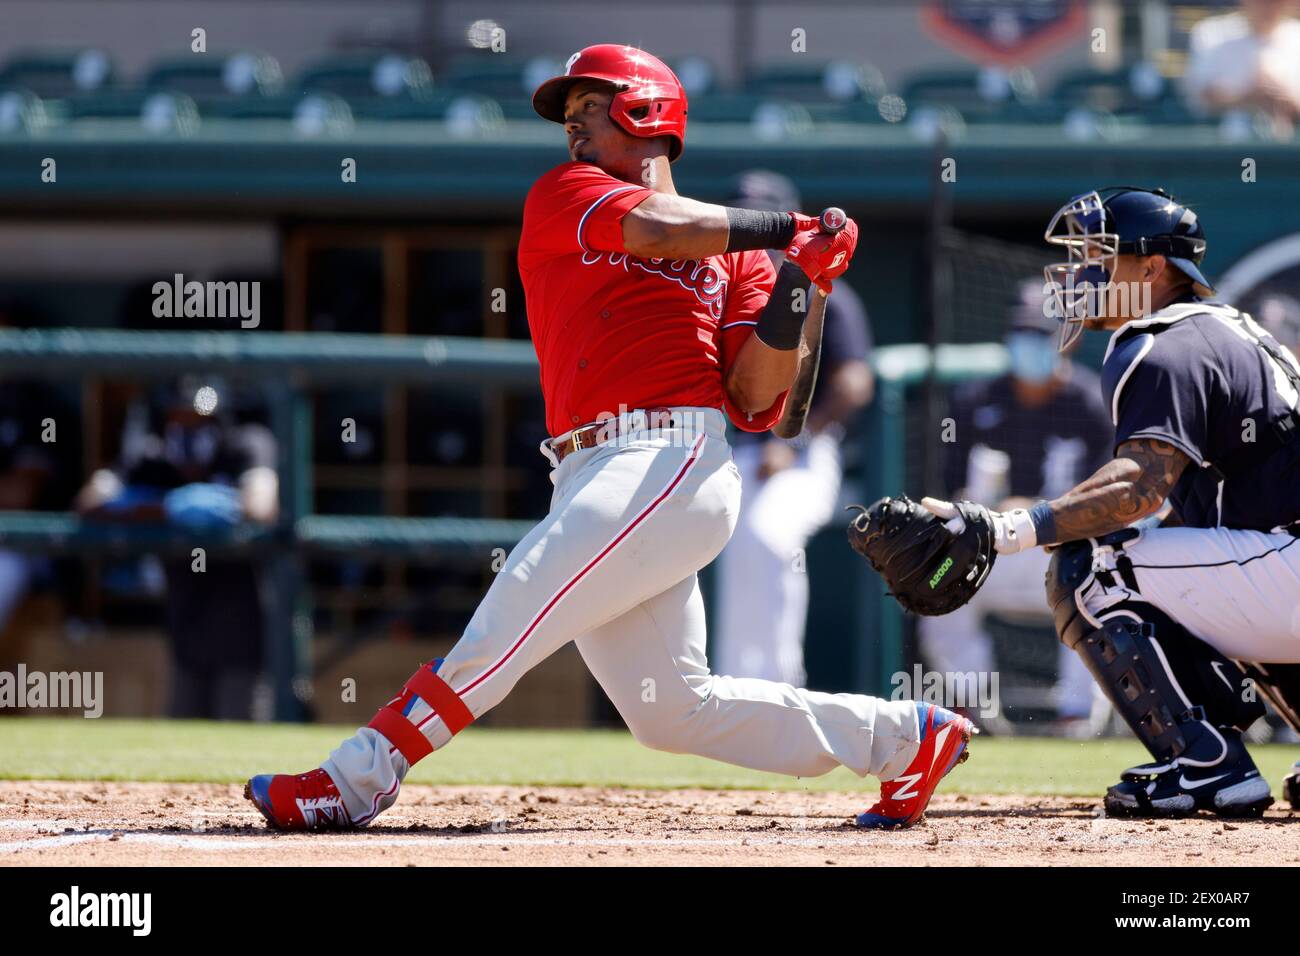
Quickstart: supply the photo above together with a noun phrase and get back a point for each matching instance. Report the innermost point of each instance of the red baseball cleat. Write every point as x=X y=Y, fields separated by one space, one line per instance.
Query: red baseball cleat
x=903 y=800
x=305 y=801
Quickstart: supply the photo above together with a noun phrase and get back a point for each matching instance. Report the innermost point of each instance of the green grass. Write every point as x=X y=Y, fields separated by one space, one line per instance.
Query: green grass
x=159 y=750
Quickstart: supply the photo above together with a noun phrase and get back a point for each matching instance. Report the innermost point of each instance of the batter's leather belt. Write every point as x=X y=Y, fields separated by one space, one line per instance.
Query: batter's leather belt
x=600 y=433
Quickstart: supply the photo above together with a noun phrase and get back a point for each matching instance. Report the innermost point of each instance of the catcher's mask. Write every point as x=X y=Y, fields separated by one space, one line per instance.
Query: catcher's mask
x=1099 y=226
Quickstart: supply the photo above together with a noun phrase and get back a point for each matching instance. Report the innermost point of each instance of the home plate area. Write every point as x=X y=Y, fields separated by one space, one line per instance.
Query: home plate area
x=71 y=823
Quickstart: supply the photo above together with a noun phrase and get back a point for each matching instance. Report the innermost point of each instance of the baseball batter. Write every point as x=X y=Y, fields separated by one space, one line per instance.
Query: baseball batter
x=1184 y=624
x=655 y=319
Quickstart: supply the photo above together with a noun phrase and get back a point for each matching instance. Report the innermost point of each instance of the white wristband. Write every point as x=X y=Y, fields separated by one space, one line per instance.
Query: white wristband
x=1020 y=534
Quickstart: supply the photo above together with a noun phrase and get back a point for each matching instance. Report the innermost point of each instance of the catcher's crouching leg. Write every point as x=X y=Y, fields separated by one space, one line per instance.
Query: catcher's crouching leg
x=1183 y=700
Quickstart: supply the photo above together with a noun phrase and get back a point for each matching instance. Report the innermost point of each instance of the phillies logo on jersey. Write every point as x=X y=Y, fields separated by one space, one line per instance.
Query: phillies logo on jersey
x=704 y=280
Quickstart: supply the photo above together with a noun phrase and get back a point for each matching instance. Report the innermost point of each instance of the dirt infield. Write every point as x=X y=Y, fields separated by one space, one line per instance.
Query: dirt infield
x=49 y=823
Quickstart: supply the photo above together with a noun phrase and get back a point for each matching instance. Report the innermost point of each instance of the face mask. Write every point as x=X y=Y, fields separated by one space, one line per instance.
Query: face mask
x=1033 y=356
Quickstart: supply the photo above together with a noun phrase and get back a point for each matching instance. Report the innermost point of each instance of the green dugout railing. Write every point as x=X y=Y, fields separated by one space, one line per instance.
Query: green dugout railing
x=287 y=365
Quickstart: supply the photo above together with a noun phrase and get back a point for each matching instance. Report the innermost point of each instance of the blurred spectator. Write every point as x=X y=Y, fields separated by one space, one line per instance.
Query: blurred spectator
x=789 y=487
x=1247 y=60
x=1279 y=314
x=1032 y=433
x=27 y=470
x=34 y=473
x=185 y=460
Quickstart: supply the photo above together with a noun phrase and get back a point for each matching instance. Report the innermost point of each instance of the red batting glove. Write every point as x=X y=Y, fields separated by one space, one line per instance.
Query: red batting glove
x=822 y=256
x=804 y=223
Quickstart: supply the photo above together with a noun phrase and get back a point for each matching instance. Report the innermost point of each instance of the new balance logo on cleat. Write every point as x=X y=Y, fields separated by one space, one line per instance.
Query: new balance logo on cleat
x=943 y=739
x=305 y=801
x=322 y=812
x=908 y=789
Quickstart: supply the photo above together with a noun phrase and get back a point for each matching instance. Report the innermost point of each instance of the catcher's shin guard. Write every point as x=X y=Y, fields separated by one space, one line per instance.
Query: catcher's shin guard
x=1172 y=688
x=393 y=719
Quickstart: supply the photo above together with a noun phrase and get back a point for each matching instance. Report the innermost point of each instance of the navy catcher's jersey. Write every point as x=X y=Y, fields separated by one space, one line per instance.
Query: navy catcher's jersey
x=1192 y=375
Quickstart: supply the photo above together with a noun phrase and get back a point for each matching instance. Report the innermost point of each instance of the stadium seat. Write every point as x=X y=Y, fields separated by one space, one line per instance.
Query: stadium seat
x=770 y=118
x=164 y=113
x=1138 y=90
x=508 y=81
x=724 y=108
x=312 y=114
x=58 y=74
x=106 y=104
x=375 y=74
x=500 y=76
x=978 y=95
x=697 y=75
x=158 y=111
x=22 y=111
x=463 y=114
x=235 y=74
x=854 y=111
x=836 y=81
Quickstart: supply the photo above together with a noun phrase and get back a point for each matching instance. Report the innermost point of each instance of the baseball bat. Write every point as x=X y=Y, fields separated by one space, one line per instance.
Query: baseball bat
x=799 y=400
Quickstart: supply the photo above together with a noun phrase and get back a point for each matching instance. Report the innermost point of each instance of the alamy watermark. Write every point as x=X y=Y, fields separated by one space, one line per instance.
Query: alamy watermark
x=74 y=908
x=55 y=690
x=1068 y=297
x=208 y=300
x=968 y=690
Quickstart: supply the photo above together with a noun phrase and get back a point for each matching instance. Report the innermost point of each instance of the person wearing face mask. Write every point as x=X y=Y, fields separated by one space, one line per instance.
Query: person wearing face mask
x=186 y=461
x=1029 y=434
x=1279 y=314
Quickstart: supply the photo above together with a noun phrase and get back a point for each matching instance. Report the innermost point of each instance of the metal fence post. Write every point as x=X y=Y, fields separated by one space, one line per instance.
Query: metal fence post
x=288 y=601
x=880 y=653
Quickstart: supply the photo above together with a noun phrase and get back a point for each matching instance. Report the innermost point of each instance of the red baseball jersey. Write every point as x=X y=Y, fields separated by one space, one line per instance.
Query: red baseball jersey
x=614 y=330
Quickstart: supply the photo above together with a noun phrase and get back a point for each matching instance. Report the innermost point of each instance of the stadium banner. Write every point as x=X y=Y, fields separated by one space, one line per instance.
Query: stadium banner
x=1003 y=32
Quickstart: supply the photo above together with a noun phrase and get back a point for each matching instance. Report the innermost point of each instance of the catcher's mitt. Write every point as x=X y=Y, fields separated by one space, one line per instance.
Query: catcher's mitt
x=929 y=569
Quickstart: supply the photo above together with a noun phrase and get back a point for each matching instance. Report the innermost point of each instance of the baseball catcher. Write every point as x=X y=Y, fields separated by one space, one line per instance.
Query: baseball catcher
x=1183 y=618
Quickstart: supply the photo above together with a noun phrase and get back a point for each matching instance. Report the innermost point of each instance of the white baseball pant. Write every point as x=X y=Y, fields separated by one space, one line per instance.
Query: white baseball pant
x=613 y=566
x=1237 y=590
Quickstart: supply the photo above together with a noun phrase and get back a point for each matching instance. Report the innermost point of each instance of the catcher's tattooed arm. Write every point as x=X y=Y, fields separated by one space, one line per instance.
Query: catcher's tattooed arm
x=1133 y=485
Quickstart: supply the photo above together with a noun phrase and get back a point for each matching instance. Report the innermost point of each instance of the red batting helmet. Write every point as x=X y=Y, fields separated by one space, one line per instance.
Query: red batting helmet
x=650 y=100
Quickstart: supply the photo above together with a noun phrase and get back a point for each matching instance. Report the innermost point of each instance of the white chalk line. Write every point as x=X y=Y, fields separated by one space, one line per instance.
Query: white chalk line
x=221 y=843
x=827 y=840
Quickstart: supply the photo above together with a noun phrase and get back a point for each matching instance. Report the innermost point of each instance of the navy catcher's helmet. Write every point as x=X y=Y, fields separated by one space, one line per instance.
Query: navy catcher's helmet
x=1097 y=227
